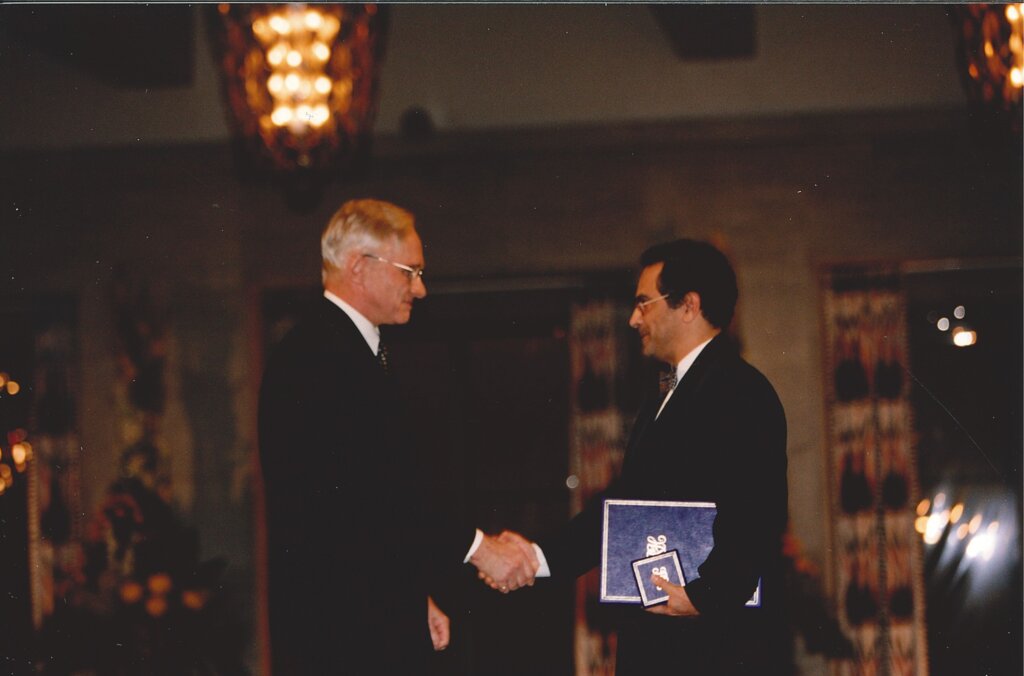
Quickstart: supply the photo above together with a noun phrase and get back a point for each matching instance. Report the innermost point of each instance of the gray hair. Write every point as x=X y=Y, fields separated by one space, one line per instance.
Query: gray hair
x=359 y=225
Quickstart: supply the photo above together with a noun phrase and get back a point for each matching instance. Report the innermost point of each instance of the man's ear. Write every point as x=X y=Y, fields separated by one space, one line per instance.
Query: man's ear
x=691 y=303
x=355 y=267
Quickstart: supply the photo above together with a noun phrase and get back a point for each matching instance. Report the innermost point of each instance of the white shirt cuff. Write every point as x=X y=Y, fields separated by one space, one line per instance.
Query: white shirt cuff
x=542 y=569
x=477 y=539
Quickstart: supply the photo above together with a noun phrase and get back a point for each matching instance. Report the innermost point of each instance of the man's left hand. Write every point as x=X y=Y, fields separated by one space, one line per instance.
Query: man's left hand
x=678 y=605
x=439 y=625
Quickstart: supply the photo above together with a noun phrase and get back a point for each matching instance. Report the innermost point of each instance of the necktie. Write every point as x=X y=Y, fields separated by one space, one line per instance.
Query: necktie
x=382 y=356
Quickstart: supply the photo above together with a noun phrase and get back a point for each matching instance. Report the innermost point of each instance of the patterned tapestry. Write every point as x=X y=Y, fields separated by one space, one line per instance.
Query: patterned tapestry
x=598 y=425
x=877 y=571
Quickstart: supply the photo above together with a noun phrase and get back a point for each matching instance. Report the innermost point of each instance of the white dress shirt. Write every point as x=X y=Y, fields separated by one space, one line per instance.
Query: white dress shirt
x=681 y=368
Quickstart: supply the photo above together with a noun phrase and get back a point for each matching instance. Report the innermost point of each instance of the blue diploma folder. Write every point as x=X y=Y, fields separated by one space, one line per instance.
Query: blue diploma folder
x=637 y=529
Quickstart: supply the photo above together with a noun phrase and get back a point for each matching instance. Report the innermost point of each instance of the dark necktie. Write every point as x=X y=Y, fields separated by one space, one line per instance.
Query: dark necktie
x=382 y=356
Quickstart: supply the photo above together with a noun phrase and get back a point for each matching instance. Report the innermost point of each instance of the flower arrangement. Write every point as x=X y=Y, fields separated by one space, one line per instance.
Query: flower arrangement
x=140 y=602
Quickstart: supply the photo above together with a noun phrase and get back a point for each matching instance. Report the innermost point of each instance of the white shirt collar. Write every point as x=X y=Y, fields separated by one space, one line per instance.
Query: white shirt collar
x=369 y=331
x=681 y=369
x=684 y=366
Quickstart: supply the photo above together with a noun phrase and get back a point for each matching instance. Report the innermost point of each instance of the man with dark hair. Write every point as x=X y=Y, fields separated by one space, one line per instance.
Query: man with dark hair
x=719 y=436
x=347 y=510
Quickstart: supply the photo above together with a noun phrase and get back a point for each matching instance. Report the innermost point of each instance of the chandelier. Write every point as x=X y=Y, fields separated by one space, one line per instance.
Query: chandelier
x=992 y=55
x=301 y=81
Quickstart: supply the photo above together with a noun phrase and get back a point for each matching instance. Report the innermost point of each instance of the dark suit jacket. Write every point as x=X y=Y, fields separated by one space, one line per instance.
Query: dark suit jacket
x=721 y=439
x=347 y=513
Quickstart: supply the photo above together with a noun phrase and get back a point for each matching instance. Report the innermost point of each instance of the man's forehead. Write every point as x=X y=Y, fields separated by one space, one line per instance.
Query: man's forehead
x=409 y=245
x=648 y=280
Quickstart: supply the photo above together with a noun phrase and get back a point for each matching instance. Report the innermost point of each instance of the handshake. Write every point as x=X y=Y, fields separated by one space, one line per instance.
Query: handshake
x=507 y=562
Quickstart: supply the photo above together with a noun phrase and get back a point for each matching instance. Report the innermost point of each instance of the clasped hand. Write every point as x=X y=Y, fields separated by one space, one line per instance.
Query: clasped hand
x=506 y=562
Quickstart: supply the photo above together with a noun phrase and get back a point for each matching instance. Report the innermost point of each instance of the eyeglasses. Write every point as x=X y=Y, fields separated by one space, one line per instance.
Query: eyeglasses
x=642 y=303
x=410 y=272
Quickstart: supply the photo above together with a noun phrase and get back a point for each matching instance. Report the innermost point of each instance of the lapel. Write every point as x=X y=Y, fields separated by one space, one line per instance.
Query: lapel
x=360 y=366
x=648 y=432
x=689 y=388
x=343 y=330
x=644 y=419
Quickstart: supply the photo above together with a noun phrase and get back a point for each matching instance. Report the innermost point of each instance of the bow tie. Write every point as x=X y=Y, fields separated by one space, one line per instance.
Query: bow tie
x=667 y=381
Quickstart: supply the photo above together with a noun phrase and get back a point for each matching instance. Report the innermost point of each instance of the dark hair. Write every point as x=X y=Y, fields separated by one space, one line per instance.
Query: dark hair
x=691 y=265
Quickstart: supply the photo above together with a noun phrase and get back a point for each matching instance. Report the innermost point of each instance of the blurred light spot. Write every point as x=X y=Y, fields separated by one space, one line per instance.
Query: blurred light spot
x=956 y=512
x=282 y=115
x=314 y=19
x=943 y=324
x=193 y=599
x=959 y=312
x=921 y=524
x=573 y=482
x=975 y=523
x=13 y=387
x=940 y=500
x=280 y=24
x=321 y=51
x=922 y=507
x=275 y=84
x=160 y=583
x=131 y=591
x=964 y=338
x=983 y=545
x=962 y=531
x=156 y=606
x=936 y=525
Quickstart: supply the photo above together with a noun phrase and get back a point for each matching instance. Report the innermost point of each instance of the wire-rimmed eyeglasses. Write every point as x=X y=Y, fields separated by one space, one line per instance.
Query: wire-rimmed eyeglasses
x=410 y=272
x=642 y=302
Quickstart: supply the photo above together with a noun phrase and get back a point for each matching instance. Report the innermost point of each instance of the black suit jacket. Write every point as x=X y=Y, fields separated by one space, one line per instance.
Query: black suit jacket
x=347 y=513
x=721 y=438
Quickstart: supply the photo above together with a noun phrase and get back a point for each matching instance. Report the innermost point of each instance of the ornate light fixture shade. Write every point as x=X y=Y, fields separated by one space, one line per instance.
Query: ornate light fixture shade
x=992 y=57
x=301 y=80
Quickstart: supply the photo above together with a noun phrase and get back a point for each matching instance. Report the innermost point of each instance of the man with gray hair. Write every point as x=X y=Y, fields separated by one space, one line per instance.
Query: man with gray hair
x=346 y=508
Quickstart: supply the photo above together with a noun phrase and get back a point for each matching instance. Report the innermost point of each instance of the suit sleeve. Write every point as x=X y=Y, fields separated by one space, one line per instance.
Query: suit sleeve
x=575 y=548
x=752 y=495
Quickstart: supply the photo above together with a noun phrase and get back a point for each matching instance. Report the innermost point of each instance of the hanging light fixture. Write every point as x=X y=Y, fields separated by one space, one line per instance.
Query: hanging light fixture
x=992 y=57
x=301 y=81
